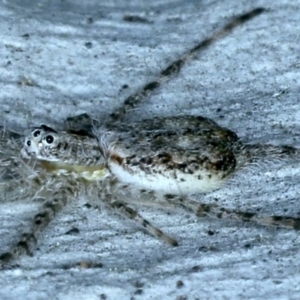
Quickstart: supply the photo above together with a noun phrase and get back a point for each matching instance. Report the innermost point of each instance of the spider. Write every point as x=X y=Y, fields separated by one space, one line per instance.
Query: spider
x=163 y=157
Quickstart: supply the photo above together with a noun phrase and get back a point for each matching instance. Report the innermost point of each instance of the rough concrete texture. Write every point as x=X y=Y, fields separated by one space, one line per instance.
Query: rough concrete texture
x=63 y=58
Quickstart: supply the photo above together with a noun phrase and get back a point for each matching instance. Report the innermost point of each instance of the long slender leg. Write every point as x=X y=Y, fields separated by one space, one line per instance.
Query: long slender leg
x=175 y=67
x=134 y=215
x=16 y=179
x=86 y=123
x=213 y=210
x=109 y=187
x=45 y=215
x=11 y=166
x=111 y=190
x=20 y=179
x=253 y=153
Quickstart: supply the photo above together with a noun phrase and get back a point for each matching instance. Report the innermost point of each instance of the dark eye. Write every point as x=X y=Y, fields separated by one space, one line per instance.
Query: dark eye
x=49 y=139
x=28 y=143
x=36 y=133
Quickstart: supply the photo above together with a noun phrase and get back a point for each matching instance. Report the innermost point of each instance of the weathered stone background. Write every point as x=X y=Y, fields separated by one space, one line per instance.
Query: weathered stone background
x=62 y=58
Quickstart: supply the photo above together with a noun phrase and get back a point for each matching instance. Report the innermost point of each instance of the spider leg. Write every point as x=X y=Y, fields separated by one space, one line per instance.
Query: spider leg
x=12 y=168
x=45 y=215
x=214 y=210
x=276 y=220
x=111 y=189
x=15 y=181
x=20 y=179
x=134 y=215
x=174 y=68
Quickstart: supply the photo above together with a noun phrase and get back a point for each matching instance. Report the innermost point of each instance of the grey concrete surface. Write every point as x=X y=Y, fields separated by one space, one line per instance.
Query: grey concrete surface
x=63 y=58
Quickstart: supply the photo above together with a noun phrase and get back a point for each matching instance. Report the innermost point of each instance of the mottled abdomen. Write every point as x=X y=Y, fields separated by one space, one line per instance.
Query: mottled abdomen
x=178 y=155
x=172 y=177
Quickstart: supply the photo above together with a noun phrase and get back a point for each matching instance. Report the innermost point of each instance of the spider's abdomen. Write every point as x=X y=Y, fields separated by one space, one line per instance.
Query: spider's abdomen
x=177 y=155
x=163 y=173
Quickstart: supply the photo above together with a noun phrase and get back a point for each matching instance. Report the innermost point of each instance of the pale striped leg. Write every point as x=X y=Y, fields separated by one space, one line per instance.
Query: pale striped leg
x=134 y=215
x=109 y=192
x=28 y=240
x=214 y=210
x=174 y=68
x=13 y=184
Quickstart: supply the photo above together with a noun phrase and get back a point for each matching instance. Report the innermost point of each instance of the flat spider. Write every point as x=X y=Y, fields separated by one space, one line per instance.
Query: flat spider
x=163 y=157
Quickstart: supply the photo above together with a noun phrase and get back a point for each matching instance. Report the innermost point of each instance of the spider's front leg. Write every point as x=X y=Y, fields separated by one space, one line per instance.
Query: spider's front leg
x=45 y=215
x=174 y=67
x=14 y=183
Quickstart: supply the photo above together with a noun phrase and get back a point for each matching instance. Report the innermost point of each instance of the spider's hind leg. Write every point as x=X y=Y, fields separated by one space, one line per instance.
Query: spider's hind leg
x=214 y=210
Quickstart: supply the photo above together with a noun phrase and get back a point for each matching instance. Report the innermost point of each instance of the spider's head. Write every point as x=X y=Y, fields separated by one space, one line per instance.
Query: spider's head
x=64 y=149
x=39 y=143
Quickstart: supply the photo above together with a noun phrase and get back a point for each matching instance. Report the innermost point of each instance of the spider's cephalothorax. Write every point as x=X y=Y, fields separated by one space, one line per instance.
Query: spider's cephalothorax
x=73 y=148
x=76 y=153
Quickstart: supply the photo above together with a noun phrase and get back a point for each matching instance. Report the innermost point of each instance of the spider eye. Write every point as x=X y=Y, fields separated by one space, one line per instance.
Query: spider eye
x=28 y=143
x=36 y=133
x=49 y=139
